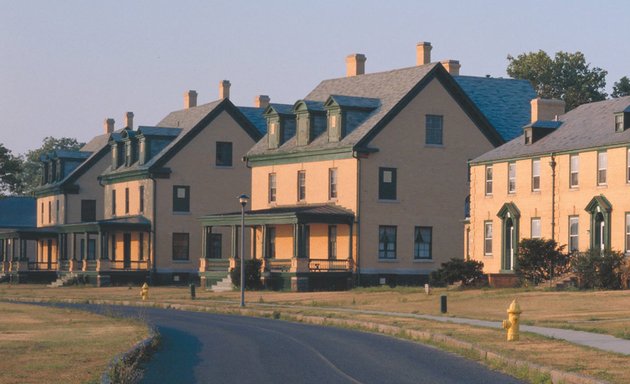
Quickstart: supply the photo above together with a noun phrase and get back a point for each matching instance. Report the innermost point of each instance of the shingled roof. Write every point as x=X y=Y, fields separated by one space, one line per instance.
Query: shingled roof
x=501 y=102
x=587 y=126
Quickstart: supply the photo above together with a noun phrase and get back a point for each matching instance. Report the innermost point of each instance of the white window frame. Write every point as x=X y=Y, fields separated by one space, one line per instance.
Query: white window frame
x=536 y=229
x=576 y=235
x=574 y=170
x=602 y=168
x=536 y=175
x=512 y=177
x=488 y=178
x=487 y=238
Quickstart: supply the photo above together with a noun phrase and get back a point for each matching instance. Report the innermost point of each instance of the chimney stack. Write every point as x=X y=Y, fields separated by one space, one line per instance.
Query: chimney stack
x=423 y=53
x=451 y=66
x=355 y=64
x=129 y=120
x=109 y=125
x=224 y=89
x=546 y=109
x=261 y=101
x=190 y=99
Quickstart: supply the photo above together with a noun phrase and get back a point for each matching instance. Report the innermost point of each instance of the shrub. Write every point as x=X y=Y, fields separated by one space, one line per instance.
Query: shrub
x=469 y=272
x=540 y=260
x=252 y=274
x=600 y=269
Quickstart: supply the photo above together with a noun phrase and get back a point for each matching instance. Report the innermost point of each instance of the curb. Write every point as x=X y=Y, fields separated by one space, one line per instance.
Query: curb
x=128 y=358
x=557 y=376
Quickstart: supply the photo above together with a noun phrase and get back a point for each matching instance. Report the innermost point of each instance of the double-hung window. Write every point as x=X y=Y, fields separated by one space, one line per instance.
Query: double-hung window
x=488 y=179
x=602 y=166
x=511 y=177
x=332 y=242
x=422 y=243
x=181 y=243
x=536 y=175
x=573 y=233
x=301 y=186
x=574 y=169
x=387 y=183
x=386 y=242
x=536 y=232
x=487 y=238
x=223 y=154
x=272 y=187
x=332 y=183
x=181 y=198
x=434 y=129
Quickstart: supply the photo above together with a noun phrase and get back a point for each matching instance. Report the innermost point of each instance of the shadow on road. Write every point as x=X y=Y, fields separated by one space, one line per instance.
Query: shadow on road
x=183 y=350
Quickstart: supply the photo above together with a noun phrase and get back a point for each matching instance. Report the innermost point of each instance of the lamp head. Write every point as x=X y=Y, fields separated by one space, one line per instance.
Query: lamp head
x=243 y=199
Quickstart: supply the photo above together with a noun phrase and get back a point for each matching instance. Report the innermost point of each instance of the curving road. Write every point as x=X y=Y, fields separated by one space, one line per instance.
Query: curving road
x=209 y=348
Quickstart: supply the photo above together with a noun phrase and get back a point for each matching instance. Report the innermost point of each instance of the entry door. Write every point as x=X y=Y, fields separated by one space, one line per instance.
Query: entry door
x=49 y=254
x=599 y=231
x=509 y=244
x=127 y=250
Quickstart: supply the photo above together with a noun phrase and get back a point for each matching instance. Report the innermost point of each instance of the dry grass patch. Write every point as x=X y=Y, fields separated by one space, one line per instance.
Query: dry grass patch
x=55 y=345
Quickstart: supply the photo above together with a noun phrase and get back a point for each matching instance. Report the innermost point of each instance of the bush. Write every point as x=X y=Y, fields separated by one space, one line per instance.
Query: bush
x=469 y=272
x=600 y=269
x=252 y=274
x=540 y=260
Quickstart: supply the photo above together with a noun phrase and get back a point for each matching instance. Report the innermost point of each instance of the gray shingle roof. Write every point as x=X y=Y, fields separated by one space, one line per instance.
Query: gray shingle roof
x=588 y=126
x=18 y=212
x=355 y=102
x=504 y=102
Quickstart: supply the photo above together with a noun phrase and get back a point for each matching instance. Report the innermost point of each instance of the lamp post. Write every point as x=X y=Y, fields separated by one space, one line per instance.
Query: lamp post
x=243 y=199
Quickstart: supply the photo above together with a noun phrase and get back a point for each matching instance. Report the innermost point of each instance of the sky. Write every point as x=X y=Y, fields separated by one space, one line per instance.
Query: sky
x=67 y=65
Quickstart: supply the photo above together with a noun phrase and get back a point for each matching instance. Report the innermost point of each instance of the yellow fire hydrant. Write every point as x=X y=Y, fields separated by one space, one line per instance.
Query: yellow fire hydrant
x=144 y=292
x=513 y=322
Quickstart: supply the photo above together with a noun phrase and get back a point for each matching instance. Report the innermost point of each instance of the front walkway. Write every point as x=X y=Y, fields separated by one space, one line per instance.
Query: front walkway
x=595 y=340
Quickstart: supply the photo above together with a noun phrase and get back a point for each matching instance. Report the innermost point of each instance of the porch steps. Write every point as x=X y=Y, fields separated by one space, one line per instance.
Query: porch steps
x=224 y=285
x=64 y=280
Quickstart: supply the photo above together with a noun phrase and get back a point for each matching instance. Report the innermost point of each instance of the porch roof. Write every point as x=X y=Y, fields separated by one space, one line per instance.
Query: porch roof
x=121 y=224
x=299 y=214
x=32 y=233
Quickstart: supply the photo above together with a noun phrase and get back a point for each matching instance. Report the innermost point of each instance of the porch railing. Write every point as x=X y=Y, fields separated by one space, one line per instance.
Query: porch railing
x=133 y=265
x=64 y=265
x=89 y=265
x=277 y=265
x=328 y=265
x=42 y=266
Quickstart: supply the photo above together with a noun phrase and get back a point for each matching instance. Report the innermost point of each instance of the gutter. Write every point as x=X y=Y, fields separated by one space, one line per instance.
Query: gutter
x=355 y=155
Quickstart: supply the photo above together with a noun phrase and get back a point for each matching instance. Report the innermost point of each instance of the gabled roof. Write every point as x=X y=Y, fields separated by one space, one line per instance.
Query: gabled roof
x=587 y=126
x=18 y=212
x=392 y=91
x=255 y=116
x=504 y=102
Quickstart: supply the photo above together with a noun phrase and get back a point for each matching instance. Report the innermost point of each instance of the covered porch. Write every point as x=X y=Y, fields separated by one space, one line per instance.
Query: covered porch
x=301 y=247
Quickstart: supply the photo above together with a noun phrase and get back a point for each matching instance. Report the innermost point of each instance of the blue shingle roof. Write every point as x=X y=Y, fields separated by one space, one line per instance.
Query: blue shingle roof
x=18 y=212
x=255 y=116
x=504 y=102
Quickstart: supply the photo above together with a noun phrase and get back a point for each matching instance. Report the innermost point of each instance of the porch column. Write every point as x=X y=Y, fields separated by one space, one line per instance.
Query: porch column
x=298 y=243
x=264 y=241
x=350 y=229
x=59 y=247
x=99 y=245
x=234 y=242
x=21 y=250
x=85 y=245
x=204 y=238
x=73 y=246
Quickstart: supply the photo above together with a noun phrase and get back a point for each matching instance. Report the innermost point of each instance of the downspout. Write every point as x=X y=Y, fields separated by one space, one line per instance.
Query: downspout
x=553 y=164
x=357 y=232
x=152 y=246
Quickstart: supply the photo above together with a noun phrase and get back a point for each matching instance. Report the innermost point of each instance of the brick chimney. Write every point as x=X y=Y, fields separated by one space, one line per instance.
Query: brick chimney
x=546 y=109
x=129 y=120
x=261 y=101
x=190 y=99
x=451 y=66
x=109 y=125
x=423 y=53
x=224 y=89
x=355 y=64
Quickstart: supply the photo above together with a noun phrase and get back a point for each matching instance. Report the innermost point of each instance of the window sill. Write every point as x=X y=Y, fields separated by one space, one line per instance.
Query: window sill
x=387 y=201
x=602 y=186
x=434 y=145
x=574 y=188
x=182 y=213
x=423 y=261
x=387 y=260
x=181 y=261
x=487 y=255
x=536 y=191
x=224 y=166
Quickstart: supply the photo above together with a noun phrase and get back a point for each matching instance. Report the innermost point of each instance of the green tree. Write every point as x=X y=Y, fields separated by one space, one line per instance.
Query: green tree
x=10 y=172
x=621 y=88
x=540 y=260
x=567 y=76
x=469 y=272
x=31 y=172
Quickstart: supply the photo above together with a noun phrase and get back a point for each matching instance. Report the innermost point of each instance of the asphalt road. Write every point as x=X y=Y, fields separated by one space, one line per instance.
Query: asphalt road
x=209 y=348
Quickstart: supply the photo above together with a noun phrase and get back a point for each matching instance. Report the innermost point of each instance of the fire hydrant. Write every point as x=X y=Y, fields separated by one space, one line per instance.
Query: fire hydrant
x=513 y=321
x=144 y=292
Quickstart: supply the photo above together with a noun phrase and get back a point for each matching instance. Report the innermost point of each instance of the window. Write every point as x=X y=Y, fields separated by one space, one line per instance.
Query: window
x=332 y=242
x=270 y=246
x=57 y=211
x=141 y=198
x=628 y=167
x=602 y=165
x=301 y=187
x=88 y=211
x=528 y=136
x=332 y=183
x=387 y=183
x=511 y=177
x=386 y=242
x=434 y=129
x=307 y=241
x=181 y=198
x=141 y=246
x=619 y=122
x=574 y=169
x=422 y=243
x=536 y=175
x=113 y=202
x=627 y=232
x=180 y=246
x=126 y=200
x=272 y=187
x=536 y=234
x=49 y=212
x=487 y=238
x=224 y=154
x=113 y=239
x=488 y=179
x=42 y=213
x=573 y=233
x=91 y=251
x=214 y=246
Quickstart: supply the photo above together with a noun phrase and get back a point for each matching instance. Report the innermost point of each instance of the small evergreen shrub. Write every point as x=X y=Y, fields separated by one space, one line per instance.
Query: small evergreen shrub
x=540 y=260
x=468 y=272
x=252 y=274
x=600 y=269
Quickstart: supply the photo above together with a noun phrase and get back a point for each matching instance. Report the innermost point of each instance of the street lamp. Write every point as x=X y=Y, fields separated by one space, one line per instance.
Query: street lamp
x=243 y=199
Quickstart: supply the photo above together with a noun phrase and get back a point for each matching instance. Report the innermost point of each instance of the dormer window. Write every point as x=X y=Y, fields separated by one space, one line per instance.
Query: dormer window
x=274 y=134
x=619 y=122
x=528 y=136
x=334 y=126
x=303 y=133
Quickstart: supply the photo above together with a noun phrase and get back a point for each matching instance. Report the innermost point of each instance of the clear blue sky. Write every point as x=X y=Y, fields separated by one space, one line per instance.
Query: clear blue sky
x=67 y=65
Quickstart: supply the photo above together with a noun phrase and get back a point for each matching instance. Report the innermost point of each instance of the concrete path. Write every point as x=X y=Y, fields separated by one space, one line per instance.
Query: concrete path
x=595 y=340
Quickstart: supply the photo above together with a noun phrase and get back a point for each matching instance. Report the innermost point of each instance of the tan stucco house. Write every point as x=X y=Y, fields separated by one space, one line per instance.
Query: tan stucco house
x=567 y=178
x=365 y=179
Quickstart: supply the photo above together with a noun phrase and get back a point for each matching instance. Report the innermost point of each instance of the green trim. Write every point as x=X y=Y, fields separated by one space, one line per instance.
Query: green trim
x=509 y=211
x=605 y=208
x=272 y=219
x=136 y=174
x=301 y=157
